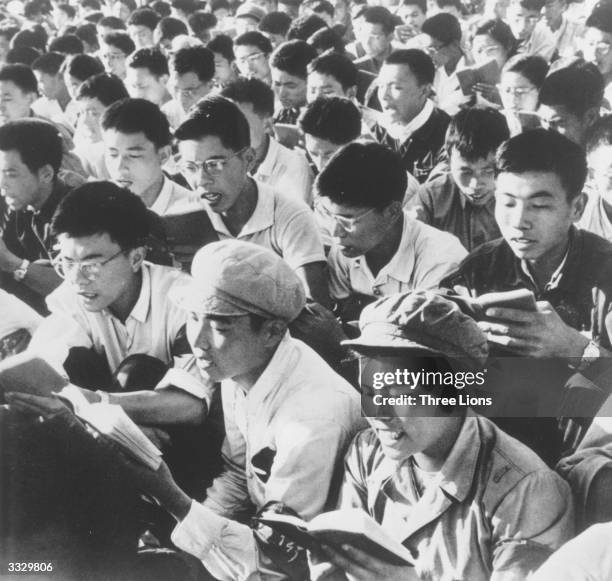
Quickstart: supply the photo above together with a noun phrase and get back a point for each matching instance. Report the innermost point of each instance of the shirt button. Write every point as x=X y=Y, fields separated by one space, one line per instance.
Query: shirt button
x=377 y=292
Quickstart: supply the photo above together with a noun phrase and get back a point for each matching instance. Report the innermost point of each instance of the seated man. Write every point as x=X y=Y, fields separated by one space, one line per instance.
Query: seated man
x=222 y=48
x=214 y=143
x=55 y=98
x=375 y=34
x=377 y=250
x=283 y=169
x=534 y=37
x=462 y=200
x=252 y=50
x=597 y=36
x=411 y=124
x=115 y=48
x=443 y=481
x=147 y=76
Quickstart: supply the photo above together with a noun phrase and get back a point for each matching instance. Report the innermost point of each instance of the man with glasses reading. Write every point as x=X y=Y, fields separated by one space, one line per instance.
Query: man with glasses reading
x=597 y=43
x=252 y=50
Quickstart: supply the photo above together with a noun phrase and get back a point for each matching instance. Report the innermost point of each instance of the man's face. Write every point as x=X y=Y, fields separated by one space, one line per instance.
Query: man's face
x=600 y=171
x=439 y=52
x=558 y=118
x=142 y=84
x=14 y=103
x=553 y=11
x=223 y=69
x=533 y=213
x=141 y=35
x=275 y=39
x=114 y=278
x=522 y=21
x=401 y=96
x=90 y=113
x=133 y=161
x=19 y=186
x=412 y=16
x=597 y=48
x=252 y=62
x=225 y=347
x=188 y=89
x=289 y=89
x=49 y=85
x=475 y=179
x=257 y=124
x=320 y=150
x=320 y=85
x=374 y=40
x=220 y=191
x=113 y=59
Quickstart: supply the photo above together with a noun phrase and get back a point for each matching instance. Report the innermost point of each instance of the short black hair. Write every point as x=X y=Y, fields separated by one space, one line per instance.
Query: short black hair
x=37 y=141
x=34 y=8
x=253 y=91
x=579 y=87
x=120 y=40
x=22 y=55
x=82 y=66
x=303 y=27
x=94 y=17
x=49 y=63
x=103 y=208
x=256 y=39
x=224 y=45
x=187 y=6
x=113 y=22
x=201 y=21
x=216 y=116
x=194 y=59
x=363 y=174
x=144 y=17
x=338 y=66
x=21 y=75
x=218 y=5
x=380 y=15
x=105 y=87
x=325 y=39
x=334 y=119
x=599 y=134
x=32 y=38
x=601 y=17
x=67 y=44
x=92 y=4
x=535 y=5
x=69 y=10
x=293 y=57
x=422 y=4
x=419 y=63
x=275 y=23
x=499 y=31
x=531 y=66
x=476 y=132
x=88 y=34
x=452 y=3
x=545 y=150
x=170 y=28
x=323 y=6
x=130 y=116
x=443 y=27
x=152 y=59
x=162 y=8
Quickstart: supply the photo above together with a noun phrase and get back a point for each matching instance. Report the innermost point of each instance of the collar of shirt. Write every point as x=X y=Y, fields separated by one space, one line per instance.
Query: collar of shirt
x=404 y=132
x=50 y=204
x=143 y=304
x=266 y=167
x=557 y=275
x=261 y=219
x=161 y=203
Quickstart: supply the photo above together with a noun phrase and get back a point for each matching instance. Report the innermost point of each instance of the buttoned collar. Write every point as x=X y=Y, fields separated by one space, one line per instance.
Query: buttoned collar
x=141 y=309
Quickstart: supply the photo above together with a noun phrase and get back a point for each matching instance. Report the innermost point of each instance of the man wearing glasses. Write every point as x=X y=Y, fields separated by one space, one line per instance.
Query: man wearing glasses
x=598 y=43
x=377 y=250
x=115 y=48
x=252 y=50
x=534 y=36
x=216 y=156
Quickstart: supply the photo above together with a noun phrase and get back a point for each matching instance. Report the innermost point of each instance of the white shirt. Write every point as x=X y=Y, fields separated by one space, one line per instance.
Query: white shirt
x=92 y=158
x=424 y=257
x=15 y=315
x=287 y=171
x=175 y=199
x=595 y=219
x=541 y=42
x=303 y=415
x=174 y=112
x=567 y=37
x=403 y=132
x=449 y=96
x=282 y=224
x=151 y=328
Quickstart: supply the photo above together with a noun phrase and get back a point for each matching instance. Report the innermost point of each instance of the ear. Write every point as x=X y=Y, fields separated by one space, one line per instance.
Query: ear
x=164 y=153
x=393 y=211
x=249 y=157
x=578 y=206
x=46 y=174
x=137 y=256
x=273 y=331
x=351 y=92
x=163 y=79
x=591 y=116
x=32 y=97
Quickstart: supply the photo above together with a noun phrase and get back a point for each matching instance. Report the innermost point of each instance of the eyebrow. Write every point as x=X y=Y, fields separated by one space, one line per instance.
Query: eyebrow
x=539 y=194
x=87 y=257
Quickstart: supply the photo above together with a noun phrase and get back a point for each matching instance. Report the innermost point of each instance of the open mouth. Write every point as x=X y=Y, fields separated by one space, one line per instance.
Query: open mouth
x=212 y=197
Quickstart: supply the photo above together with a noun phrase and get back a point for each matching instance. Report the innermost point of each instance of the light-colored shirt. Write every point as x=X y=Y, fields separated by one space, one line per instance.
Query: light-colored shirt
x=287 y=171
x=595 y=218
x=282 y=224
x=175 y=199
x=424 y=257
x=152 y=328
x=285 y=438
x=15 y=314
x=449 y=96
x=568 y=37
x=541 y=42
x=174 y=112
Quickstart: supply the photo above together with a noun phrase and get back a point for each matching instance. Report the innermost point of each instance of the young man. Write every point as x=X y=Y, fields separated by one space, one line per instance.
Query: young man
x=136 y=137
x=166 y=30
x=377 y=250
x=568 y=33
x=597 y=46
x=203 y=25
x=214 y=143
x=289 y=69
x=140 y=26
x=275 y=26
x=115 y=48
x=534 y=37
x=413 y=13
x=47 y=69
x=147 y=76
x=411 y=124
x=226 y=71
x=462 y=200
x=284 y=170
x=434 y=476
x=191 y=74
x=252 y=50
x=570 y=99
x=375 y=34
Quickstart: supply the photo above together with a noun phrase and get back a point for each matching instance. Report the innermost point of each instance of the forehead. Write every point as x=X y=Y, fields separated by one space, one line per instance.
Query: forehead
x=139 y=29
x=284 y=77
x=90 y=103
x=105 y=47
x=127 y=140
x=140 y=73
x=372 y=28
x=411 y=9
x=11 y=159
x=87 y=246
x=203 y=149
x=525 y=185
x=245 y=50
x=320 y=79
x=318 y=144
x=9 y=87
x=397 y=73
x=484 y=162
x=341 y=209
x=484 y=40
x=514 y=79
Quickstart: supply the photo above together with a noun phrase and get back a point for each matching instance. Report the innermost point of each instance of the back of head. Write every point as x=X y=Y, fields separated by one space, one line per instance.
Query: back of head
x=112 y=22
x=97 y=208
x=30 y=38
x=162 y=8
x=326 y=39
x=20 y=75
x=169 y=27
x=256 y=39
x=144 y=17
x=579 y=87
x=380 y=15
x=361 y=174
x=599 y=134
x=216 y=116
x=275 y=23
x=105 y=87
x=475 y=133
x=334 y=119
x=67 y=44
x=152 y=59
x=293 y=57
x=336 y=65
x=120 y=40
x=601 y=17
x=545 y=151
x=82 y=66
x=224 y=45
x=201 y=21
x=251 y=91
x=419 y=63
x=499 y=31
x=23 y=55
x=132 y=116
x=533 y=67
x=49 y=63
x=304 y=27
x=443 y=27
x=194 y=59
x=88 y=35
x=38 y=142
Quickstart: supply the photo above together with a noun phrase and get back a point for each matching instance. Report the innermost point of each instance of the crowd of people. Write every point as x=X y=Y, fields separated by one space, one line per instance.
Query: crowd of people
x=246 y=224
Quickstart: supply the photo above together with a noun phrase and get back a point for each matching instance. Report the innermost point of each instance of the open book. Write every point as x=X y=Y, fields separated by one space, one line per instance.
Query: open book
x=487 y=73
x=352 y=527
x=27 y=373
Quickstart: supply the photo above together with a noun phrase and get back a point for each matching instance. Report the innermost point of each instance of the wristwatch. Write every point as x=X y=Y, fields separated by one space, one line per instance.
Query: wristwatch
x=20 y=272
x=590 y=354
